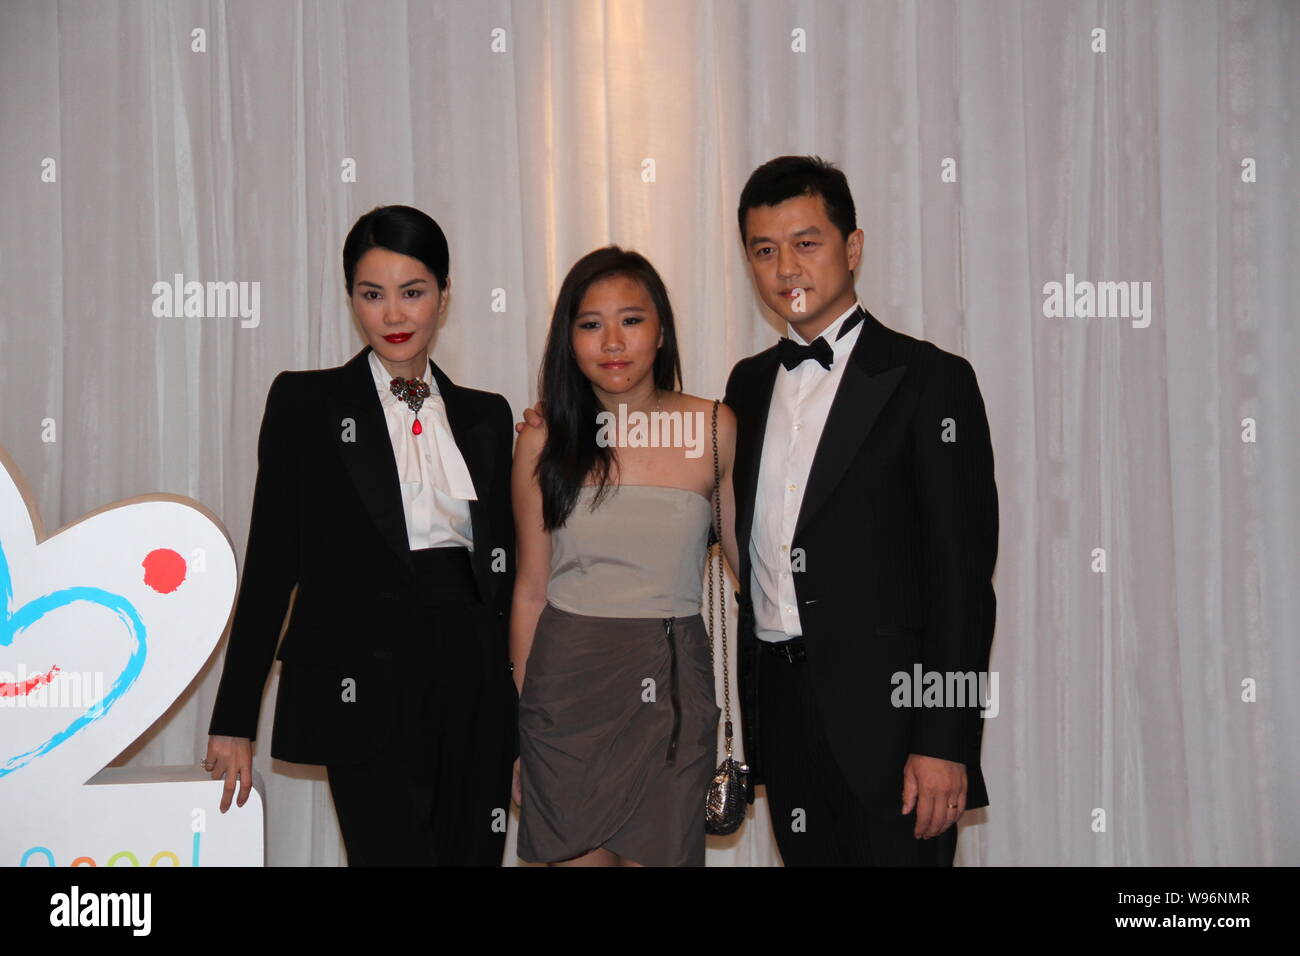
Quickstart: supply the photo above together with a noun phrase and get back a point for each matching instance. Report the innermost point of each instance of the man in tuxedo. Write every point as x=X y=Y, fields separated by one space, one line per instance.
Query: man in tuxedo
x=866 y=524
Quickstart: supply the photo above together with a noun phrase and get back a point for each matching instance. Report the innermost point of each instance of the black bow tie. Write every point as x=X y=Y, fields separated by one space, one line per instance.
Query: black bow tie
x=792 y=354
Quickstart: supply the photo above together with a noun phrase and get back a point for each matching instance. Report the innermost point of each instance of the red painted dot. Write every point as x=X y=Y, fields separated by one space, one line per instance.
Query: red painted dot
x=164 y=570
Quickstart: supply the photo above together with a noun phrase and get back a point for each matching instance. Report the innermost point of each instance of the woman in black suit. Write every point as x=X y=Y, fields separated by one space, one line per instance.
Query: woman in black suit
x=383 y=493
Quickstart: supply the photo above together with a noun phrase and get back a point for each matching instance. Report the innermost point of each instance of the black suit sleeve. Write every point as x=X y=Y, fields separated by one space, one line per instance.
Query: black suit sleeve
x=958 y=505
x=729 y=394
x=271 y=565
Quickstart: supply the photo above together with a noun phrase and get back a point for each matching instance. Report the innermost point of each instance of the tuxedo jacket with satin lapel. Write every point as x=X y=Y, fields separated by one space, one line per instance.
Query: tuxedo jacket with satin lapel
x=327 y=516
x=897 y=539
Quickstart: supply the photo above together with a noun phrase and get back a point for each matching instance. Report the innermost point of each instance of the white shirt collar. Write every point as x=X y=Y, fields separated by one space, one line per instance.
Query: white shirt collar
x=838 y=347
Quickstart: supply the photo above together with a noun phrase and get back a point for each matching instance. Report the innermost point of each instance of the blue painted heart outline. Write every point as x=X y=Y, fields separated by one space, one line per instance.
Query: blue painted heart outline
x=14 y=622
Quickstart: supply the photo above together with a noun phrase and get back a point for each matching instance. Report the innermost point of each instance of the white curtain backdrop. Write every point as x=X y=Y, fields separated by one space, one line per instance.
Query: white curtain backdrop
x=991 y=148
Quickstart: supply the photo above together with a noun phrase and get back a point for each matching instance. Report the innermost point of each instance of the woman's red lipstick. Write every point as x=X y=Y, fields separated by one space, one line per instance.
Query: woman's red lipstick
x=397 y=338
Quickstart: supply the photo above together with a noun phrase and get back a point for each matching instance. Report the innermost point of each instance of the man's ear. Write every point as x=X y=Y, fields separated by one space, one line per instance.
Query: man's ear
x=855 y=240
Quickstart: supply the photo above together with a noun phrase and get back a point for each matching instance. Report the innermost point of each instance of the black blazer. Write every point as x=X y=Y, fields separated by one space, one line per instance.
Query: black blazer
x=898 y=532
x=327 y=517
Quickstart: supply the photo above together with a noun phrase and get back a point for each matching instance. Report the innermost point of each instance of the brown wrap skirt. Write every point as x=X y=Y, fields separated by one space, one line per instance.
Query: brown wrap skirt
x=617 y=738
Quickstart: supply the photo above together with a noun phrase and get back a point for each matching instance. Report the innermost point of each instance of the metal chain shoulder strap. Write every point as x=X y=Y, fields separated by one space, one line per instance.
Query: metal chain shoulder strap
x=715 y=571
x=727 y=797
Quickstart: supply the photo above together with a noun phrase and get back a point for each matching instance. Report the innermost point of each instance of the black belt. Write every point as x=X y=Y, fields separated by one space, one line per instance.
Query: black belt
x=789 y=651
x=444 y=576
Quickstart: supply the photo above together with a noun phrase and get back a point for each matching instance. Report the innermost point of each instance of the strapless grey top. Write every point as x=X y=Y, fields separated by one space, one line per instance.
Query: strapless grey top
x=639 y=554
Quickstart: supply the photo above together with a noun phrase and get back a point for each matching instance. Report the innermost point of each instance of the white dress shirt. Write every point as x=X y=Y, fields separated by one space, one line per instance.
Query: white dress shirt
x=435 y=482
x=801 y=400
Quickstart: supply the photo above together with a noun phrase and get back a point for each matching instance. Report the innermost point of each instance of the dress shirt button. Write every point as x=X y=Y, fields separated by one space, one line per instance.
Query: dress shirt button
x=798 y=425
x=791 y=488
x=789 y=609
x=785 y=547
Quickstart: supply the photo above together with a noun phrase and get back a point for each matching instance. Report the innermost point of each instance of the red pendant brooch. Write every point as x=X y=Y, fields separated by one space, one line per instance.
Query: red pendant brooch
x=412 y=391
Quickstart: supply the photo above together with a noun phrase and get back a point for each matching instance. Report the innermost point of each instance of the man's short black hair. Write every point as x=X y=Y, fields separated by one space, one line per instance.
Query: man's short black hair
x=788 y=176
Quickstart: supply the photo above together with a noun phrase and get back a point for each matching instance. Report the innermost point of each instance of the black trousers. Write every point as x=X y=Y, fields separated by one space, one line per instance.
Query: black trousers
x=437 y=792
x=817 y=818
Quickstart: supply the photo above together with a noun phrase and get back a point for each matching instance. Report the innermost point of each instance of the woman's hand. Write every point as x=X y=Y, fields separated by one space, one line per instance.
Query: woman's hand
x=532 y=418
x=231 y=757
x=514 y=786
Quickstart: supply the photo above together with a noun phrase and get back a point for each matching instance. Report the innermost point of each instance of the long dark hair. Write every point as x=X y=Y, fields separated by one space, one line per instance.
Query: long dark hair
x=571 y=452
x=401 y=229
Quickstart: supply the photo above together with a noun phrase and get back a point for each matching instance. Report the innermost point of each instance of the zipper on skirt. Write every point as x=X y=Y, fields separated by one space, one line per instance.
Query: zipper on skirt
x=672 y=676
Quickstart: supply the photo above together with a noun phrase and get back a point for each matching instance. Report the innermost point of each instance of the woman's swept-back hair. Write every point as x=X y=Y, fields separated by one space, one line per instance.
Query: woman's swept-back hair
x=401 y=229
x=571 y=453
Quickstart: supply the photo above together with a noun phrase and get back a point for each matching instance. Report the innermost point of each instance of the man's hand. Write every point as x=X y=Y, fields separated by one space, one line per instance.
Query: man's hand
x=937 y=788
x=532 y=416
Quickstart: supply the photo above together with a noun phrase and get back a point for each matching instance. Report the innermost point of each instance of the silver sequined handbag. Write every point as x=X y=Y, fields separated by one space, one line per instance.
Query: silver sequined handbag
x=725 y=805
